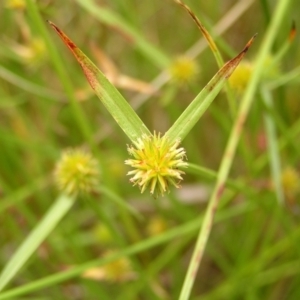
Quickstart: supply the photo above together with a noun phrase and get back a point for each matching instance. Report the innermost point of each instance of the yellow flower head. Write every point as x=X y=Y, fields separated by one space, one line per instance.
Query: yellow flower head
x=118 y=270
x=183 y=70
x=103 y=234
x=16 y=4
x=241 y=76
x=156 y=226
x=76 y=172
x=290 y=181
x=33 y=53
x=156 y=161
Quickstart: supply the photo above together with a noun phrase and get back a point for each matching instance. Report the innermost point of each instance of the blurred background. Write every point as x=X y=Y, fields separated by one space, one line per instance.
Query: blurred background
x=153 y=52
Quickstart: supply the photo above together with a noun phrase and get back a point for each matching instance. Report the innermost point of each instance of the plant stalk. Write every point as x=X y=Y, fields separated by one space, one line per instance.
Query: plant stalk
x=231 y=148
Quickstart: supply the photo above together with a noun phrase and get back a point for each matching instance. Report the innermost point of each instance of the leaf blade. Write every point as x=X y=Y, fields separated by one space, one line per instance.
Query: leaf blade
x=114 y=102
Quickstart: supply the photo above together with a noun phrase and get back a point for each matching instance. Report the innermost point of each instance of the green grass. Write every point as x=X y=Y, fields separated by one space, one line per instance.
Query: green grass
x=249 y=245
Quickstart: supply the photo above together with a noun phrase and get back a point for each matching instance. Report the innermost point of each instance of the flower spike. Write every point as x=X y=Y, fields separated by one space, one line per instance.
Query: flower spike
x=156 y=162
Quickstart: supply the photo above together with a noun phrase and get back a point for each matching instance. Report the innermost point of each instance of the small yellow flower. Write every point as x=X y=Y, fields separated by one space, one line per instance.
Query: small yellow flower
x=33 y=52
x=156 y=162
x=76 y=172
x=16 y=4
x=118 y=270
x=290 y=180
x=183 y=70
x=103 y=234
x=241 y=76
x=156 y=226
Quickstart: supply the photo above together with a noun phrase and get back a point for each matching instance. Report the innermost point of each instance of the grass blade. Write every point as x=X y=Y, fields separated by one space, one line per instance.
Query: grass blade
x=230 y=151
x=274 y=156
x=35 y=238
x=29 y=86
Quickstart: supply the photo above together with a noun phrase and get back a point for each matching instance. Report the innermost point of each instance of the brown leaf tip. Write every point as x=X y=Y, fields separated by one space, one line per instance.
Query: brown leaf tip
x=292 y=32
x=69 y=43
x=248 y=45
x=199 y=24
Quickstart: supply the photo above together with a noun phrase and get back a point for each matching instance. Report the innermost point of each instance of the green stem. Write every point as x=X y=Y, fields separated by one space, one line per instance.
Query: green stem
x=273 y=147
x=230 y=150
x=210 y=174
x=58 y=63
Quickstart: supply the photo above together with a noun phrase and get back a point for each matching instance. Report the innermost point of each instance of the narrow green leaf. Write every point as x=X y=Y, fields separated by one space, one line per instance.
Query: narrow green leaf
x=196 y=109
x=80 y=119
x=28 y=85
x=22 y=193
x=35 y=238
x=274 y=155
x=115 y=103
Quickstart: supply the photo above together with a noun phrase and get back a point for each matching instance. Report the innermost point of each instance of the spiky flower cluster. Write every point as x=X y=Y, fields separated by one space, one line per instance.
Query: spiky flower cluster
x=76 y=172
x=156 y=162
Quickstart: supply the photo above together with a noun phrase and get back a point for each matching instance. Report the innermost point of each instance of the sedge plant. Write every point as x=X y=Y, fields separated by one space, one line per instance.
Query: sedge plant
x=156 y=157
x=158 y=160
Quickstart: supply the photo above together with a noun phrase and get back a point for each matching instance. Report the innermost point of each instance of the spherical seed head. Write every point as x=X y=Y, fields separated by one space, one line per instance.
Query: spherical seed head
x=241 y=76
x=156 y=162
x=76 y=172
x=183 y=70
